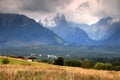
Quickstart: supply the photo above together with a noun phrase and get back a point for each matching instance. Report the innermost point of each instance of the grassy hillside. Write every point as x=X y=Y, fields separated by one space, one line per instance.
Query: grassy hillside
x=16 y=61
x=24 y=70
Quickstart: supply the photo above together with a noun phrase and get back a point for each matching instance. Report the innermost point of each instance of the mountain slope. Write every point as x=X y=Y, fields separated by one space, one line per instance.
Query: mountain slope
x=114 y=38
x=108 y=31
x=105 y=32
x=68 y=33
x=19 y=29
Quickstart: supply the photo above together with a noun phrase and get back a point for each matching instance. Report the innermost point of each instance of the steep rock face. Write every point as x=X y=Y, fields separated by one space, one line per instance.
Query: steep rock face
x=114 y=38
x=15 y=28
x=110 y=31
x=104 y=28
x=101 y=30
x=78 y=36
x=68 y=33
x=105 y=32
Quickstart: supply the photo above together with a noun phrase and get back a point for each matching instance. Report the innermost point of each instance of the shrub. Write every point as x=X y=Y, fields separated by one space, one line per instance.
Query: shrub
x=116 y=63
x=107 y=66
x=74 y=63
x=86 y=64
x=116 y=68
x=59 y=61
x=51 y=62
x=103 y=66
x=5 y=61
x=98 y=65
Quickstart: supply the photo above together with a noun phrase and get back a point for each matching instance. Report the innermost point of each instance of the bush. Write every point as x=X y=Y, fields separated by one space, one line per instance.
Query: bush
x=116 y=63
x=116 y=68
x=51 y=62
x=5 y=61
x=59 y=61
x=107 y=66
x=86 y=64
x=103 y=66
x=98 y=66
x=74 y=63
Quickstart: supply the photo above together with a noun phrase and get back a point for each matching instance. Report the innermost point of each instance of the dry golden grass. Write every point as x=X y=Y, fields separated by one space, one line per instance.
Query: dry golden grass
x=52 y=72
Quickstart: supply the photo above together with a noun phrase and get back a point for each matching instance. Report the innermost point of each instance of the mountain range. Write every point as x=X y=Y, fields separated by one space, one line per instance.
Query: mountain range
x=105 y=32
x=19 y=30
x=72 y=35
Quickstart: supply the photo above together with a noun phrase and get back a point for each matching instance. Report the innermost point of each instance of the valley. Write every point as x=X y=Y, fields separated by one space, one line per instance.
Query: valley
x=60 y=50
x=59 y=40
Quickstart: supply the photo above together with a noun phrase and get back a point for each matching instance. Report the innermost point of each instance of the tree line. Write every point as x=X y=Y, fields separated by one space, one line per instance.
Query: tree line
x=94 y=63
x=90 y=63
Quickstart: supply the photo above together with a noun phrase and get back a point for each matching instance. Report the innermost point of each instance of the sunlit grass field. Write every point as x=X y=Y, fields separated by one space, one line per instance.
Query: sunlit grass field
x=24 y=70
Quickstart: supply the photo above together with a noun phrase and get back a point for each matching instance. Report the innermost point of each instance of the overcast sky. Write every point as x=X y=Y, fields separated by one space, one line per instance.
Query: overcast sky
x=80 y=11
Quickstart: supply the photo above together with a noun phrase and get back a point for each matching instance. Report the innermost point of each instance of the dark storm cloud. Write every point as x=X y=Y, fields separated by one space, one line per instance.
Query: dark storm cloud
x=33 y=5
x=84 y=11
x=43 y=5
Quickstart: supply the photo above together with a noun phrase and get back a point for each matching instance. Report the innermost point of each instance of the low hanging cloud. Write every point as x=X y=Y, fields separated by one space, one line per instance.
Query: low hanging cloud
x=91 y=11
x=80 y=11
x=32 y=5
x=43 y=5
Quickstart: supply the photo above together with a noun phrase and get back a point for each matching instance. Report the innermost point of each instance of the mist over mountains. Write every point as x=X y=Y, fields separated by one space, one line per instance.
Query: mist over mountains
x=19 y=30
x=104 y=32
x=101 y=30
x=72 y=35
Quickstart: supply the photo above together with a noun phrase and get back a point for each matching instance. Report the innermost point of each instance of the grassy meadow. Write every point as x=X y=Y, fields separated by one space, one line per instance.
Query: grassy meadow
x=25 y=70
